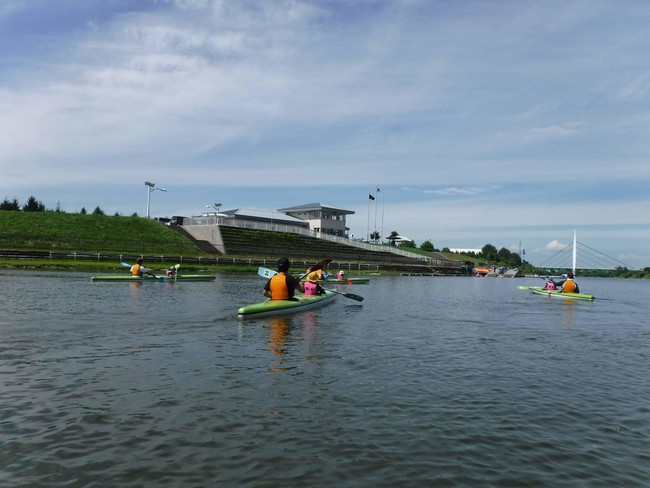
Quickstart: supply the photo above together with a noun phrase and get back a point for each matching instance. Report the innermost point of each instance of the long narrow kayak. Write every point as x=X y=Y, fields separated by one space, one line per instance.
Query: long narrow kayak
x=350 y=281
x=559 y=294
x=164 y=279
x=281 y=307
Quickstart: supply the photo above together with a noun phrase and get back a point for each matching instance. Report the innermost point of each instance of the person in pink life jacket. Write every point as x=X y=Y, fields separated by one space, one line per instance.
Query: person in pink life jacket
x=550 y=284
x=311 y=285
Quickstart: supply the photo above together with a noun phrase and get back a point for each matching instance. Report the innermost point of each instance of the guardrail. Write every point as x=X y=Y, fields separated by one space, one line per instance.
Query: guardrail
x=200 y=260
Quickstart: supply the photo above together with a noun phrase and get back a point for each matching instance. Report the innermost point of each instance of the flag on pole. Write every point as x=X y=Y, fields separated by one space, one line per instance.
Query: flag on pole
x=370 y=196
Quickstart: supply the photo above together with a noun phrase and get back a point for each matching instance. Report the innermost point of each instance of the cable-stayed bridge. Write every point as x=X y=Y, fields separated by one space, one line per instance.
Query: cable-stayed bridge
x=585 y=258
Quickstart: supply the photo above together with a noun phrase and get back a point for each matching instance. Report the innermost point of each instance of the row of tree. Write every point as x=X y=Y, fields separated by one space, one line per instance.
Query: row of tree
x=488 y=254
x=34 y=205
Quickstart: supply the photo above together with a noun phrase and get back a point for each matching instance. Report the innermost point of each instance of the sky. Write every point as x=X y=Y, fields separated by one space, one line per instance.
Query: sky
x=511 y=123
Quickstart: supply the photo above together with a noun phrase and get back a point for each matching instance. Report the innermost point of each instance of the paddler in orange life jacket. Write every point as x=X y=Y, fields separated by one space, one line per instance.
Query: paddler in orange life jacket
x=137 y=269
x=282 y=286
x=570 y=286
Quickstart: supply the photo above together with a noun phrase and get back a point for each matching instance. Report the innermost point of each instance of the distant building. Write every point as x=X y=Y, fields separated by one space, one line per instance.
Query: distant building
x=321 y=218
x=311 y=218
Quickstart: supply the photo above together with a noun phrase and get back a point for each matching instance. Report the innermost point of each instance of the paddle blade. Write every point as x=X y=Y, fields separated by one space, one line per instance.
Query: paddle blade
x=126 y=265
x=352 y=296
x=323 y=262
x=319 y=265
x=266 y=272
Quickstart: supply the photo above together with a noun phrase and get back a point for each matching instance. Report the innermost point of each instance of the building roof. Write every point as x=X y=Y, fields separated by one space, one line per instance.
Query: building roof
x=315 y=206
x=264 y=215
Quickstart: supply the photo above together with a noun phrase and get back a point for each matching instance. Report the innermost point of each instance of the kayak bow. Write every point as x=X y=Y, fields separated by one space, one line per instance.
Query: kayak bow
x=558 y=294
x=163 y=279
x=281 y=307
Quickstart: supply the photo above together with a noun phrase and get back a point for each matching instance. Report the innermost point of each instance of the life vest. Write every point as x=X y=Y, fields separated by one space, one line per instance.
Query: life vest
x=549 y=285
x=135 y=270
x=279 y=287
x=311 y=288
x=569 y=286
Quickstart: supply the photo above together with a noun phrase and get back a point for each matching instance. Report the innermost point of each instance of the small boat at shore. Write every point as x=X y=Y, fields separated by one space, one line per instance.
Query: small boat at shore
x=346 y=281
x=282 y=307
x=163 y=279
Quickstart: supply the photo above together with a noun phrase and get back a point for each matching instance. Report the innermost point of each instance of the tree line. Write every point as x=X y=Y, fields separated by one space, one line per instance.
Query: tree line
x=34 y=205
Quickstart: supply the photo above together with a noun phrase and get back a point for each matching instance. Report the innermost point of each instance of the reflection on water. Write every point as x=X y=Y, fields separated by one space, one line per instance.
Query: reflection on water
x=430 y=382
x=569 y=319
x=280 y=339
x=279 y=329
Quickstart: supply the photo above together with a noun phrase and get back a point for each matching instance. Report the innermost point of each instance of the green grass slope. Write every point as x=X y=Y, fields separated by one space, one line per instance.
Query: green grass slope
x=47 y=231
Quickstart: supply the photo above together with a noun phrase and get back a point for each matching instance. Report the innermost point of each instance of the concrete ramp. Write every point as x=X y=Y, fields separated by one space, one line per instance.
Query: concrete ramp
x=207 y=233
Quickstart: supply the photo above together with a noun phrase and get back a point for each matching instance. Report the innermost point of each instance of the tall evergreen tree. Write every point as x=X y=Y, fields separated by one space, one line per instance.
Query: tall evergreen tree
x=33 y=205
x=9 y=205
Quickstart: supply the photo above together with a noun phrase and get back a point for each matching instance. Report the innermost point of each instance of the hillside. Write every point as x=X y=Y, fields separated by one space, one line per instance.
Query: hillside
x=34 y=235
x=46 y=231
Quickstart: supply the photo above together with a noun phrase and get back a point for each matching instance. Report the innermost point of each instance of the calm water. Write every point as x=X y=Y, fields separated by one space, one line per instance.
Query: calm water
x=428 y=382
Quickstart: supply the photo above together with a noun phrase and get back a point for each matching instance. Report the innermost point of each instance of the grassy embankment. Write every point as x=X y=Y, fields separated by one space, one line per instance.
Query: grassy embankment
x=87 y=234
x=61 y=232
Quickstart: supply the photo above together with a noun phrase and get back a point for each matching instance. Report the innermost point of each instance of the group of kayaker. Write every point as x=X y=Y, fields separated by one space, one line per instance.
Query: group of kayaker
x=283 y=285
x=139 y=270
x=566 y=285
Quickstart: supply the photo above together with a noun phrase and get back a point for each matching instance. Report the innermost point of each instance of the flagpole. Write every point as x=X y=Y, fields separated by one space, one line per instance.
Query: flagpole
x=375 y=229
x=368 y=228
x=382 y=216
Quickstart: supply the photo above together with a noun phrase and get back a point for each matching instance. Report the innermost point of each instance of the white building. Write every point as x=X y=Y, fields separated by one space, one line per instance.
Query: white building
x=321 y=218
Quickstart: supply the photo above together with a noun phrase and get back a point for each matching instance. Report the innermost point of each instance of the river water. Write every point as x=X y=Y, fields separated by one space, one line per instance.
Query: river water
x=430 y=381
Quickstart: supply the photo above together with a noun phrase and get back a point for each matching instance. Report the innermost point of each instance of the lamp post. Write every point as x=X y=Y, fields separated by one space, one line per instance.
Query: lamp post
x=218 y=215
x=151 y=187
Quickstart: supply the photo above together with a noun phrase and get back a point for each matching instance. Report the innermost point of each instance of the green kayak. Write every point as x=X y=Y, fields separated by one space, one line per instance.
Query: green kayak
x=349 y=281
x=281 y=307
x=163 y=279
x=558 y=294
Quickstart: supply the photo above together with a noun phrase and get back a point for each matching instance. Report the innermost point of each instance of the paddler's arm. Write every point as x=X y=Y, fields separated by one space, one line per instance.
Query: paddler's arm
x=299 y=286
x=146 y=271
x=267 y=289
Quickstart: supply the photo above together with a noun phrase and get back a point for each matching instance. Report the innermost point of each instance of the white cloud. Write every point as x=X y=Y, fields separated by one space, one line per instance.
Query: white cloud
x=425 y=97
x=8 y=7
x=555 y=246
x=552 y=132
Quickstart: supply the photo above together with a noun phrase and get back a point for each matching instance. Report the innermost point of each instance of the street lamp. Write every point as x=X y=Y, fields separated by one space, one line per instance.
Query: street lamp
x=215 y=206
x=218 y=214
x=151 y=187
